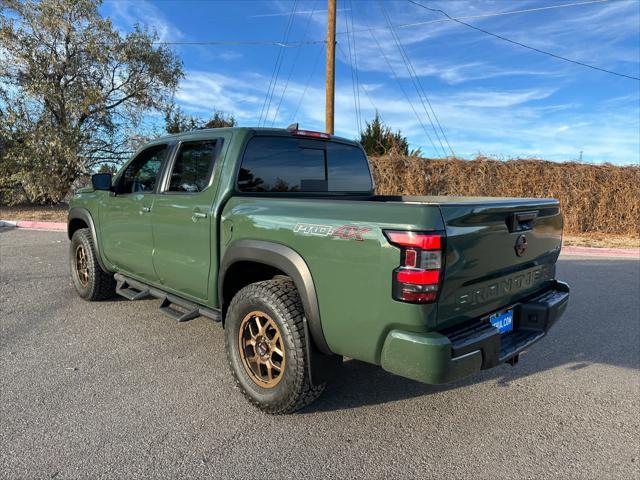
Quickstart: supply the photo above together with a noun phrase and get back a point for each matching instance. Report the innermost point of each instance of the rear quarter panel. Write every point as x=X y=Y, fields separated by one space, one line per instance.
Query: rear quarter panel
x=352 y=278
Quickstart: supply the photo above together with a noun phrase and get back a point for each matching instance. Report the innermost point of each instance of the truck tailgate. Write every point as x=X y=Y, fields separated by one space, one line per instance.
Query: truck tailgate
x=498 y=251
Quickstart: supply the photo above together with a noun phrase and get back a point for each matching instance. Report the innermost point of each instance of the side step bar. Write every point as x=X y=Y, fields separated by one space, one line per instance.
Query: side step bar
x=124 y=289
x=189 y=314
x=135 y=290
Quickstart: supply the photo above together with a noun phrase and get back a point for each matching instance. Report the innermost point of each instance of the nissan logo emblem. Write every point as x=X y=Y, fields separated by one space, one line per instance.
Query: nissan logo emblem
x=521 y=245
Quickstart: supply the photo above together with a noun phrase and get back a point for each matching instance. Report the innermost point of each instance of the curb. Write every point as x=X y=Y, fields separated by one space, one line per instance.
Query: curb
x=31 y=225
x=600 y=252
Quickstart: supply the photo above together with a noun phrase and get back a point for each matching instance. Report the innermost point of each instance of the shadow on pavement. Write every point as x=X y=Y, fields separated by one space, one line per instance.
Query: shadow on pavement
x=601 y=326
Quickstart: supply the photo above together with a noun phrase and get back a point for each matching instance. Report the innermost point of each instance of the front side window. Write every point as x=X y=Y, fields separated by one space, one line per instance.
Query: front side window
x=192 y=169
x=141 y=175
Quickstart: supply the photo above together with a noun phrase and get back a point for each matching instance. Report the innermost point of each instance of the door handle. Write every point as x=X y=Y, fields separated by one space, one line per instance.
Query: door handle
x=197 y=216
x=145 y=210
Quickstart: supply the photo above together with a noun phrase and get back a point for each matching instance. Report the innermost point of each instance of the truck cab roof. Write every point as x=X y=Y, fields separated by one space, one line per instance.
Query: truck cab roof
x=249 y=131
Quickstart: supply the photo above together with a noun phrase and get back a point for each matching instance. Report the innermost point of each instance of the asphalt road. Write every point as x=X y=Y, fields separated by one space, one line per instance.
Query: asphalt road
x=118 y=390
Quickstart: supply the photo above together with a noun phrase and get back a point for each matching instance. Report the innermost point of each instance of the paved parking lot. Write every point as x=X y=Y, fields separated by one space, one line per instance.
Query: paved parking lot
x=118 y=390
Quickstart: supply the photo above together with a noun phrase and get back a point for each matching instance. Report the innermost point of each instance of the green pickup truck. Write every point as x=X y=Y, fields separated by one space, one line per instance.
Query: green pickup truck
x=277 y=234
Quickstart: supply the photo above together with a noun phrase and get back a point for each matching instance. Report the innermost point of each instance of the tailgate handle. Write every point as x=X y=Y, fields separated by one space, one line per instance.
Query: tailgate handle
x=520 y=221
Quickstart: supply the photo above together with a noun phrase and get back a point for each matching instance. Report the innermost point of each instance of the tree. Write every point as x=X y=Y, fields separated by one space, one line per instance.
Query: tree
x=107 y=168
x=72 y=89
x=378 y=139
x=220 y=120
x=176 y=121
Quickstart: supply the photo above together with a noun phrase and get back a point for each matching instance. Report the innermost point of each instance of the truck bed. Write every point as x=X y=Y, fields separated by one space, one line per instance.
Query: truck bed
x=482 y=270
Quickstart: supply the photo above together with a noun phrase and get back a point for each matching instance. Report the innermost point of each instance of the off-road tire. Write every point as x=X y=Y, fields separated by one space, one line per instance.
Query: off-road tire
x=98 y=284
x=279 y=299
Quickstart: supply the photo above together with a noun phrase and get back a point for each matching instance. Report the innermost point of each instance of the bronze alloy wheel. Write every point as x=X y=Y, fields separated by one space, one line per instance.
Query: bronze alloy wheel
x=82 y=266
x=262 y=349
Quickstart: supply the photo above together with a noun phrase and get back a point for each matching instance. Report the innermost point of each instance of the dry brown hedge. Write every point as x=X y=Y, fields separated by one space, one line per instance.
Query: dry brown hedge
x=594 y=198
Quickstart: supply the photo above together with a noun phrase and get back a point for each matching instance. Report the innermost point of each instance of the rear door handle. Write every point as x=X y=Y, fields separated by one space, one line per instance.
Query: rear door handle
x=197 y=216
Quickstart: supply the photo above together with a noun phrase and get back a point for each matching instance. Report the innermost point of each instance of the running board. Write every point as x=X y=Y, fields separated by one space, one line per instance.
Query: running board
x=135 y=290
x=124 y=289
x=177 y=315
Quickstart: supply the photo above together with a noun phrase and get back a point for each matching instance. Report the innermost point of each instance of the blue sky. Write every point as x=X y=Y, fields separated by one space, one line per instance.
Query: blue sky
x=490 y=96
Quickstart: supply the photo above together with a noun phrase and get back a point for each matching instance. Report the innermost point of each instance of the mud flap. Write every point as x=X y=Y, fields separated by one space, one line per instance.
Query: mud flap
x=322 y=368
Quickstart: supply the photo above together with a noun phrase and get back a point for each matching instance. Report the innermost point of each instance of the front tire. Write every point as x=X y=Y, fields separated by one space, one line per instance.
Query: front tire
x=91 y=282
x=266 y=348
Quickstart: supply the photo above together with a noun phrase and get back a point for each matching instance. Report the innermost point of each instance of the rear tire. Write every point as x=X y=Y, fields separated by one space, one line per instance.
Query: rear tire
x=266 y=348
x=91 y=282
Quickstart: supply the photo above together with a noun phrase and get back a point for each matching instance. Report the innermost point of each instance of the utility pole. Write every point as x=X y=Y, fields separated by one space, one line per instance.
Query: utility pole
x=331 y=66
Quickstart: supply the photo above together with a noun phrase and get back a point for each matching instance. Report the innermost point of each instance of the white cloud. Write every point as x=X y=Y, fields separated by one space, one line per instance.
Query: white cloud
x=229 y=56
x=497 y=99
x=203 y=92
x=499 y=122
x=542 y=118
x=125 y=14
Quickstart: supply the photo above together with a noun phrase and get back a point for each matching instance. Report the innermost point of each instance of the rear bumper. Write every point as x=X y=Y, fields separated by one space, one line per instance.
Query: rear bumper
x=442 y=357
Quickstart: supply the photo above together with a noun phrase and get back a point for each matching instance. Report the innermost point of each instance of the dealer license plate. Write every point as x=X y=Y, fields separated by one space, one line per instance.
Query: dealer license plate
x=502 y=321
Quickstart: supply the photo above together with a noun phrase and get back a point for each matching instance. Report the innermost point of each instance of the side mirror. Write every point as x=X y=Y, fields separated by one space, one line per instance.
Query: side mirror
x=101 y=181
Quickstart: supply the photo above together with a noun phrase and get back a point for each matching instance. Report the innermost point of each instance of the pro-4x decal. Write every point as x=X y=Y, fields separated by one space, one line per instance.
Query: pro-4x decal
x=348 y=232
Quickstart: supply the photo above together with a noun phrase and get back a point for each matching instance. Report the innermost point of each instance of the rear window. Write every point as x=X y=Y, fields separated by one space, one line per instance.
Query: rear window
x=283 y=164
x=193 y=166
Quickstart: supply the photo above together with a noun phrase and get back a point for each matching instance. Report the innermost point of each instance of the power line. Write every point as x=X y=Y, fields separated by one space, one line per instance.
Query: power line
x=355 y=64
x=406 y=95
x=522 y=44
x=301 y=12
x=295 y=60
x=375 y=108
x=276 y=69
x=415 y=79
x=240 y=42
x=353 y=77
x=306 y=87
x=279 y=43
x=282 y=50
x=355 y=103
x=499 y=14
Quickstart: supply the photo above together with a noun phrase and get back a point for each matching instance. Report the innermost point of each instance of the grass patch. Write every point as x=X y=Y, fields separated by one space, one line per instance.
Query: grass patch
x=54 y=213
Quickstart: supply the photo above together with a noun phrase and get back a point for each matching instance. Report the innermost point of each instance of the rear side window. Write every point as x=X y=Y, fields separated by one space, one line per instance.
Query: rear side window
x=348 y=169
x=193 y=166
x=141 y=175
x=284 y=164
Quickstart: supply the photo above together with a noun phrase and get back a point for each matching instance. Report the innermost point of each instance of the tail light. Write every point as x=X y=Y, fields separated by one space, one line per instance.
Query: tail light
x=417 y=279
